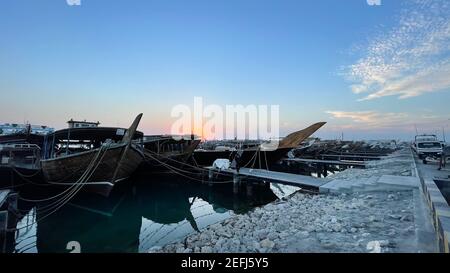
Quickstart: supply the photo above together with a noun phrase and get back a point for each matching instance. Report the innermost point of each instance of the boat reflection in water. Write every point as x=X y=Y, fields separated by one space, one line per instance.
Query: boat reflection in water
x=138 y=215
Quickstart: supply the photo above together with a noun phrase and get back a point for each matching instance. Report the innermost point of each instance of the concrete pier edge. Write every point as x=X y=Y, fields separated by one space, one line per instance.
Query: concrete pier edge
x=440 y=211
x=439 y=208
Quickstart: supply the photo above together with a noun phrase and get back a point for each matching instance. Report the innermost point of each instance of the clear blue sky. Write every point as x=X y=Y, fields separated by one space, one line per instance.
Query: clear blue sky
x=109 y=60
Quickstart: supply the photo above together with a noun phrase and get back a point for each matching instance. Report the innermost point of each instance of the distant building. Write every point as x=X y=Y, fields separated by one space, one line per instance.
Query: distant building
x=82 y=124
x=14 y=128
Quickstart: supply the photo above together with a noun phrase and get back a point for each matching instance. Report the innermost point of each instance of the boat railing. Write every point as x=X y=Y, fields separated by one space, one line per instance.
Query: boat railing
x=20 y=155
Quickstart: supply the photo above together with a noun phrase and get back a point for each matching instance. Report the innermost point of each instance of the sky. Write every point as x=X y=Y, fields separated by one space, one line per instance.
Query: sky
x=369 y=71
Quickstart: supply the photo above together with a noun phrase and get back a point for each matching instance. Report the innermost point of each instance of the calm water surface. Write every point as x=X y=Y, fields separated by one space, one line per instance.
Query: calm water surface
x=139 y=214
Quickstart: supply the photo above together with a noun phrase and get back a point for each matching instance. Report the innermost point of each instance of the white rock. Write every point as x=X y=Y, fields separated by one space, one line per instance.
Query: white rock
x=394 y=216
x=261 y=234
x=180 y=250
x=337 y=227
x=376 y=246
x=266 y=243
x=236 y=242
x=204 y=237
x=407 y=218
x=155 y=249
x=272 y=236
x=224 y=234
x=206 y=249
x=303 y=234
x=384 y=243
x=281 y=226
x=187 y=250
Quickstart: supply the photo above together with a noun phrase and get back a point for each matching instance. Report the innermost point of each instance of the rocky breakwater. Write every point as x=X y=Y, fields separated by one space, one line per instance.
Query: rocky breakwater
x=375 y=222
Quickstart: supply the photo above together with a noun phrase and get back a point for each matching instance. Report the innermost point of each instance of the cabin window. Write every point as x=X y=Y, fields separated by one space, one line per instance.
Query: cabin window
x=430 y=145
x=5 y=160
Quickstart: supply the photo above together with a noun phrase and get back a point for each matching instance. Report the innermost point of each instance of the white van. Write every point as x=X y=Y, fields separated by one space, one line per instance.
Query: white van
x=428 y=146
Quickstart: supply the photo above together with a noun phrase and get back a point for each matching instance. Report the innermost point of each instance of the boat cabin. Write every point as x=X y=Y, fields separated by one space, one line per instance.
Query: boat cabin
x=82 y=124
x=80 y=139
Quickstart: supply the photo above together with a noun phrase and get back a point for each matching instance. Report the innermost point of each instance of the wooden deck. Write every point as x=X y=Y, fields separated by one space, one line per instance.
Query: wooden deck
x=302 y=181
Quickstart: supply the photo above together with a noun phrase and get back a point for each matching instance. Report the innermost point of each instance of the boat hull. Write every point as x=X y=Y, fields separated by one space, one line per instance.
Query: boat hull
x=158 y=160
x=11 y=177
x=68 y=170
x=256 y=157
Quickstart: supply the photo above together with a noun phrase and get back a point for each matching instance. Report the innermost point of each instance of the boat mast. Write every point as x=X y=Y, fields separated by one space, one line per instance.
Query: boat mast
x=127 y=138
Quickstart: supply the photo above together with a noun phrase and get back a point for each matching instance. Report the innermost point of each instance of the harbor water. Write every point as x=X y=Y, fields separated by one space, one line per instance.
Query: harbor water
x=140 y=213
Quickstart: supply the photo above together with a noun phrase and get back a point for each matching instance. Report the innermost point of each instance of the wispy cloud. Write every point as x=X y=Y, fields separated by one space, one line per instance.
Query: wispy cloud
x=370 y=118
x=411 y=59
x=373 y=120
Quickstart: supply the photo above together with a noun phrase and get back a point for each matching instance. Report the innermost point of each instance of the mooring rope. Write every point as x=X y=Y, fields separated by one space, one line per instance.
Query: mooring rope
x=25 y=175
x=80 y=180
x=253 y=158
x=74 y=188
x=178 y=171
x=177 y=161
x=83 y=179
x=13 y=186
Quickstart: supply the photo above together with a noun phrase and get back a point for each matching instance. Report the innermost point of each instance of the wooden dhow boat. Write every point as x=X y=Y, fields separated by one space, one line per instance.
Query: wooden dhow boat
x=166 y=152
x=258 y=157
x=19 y=164
x=92 y=158
x=26 y=136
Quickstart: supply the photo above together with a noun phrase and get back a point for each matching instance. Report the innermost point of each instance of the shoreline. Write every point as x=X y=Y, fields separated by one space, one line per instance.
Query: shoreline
x=385 y=219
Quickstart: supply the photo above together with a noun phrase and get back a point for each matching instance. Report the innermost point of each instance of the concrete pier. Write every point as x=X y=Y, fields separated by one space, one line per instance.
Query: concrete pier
x=431 y=177
x=329 y=162
x=277 y=177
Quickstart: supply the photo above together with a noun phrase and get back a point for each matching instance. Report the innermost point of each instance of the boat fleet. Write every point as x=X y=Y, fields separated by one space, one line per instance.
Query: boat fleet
x=88 y=157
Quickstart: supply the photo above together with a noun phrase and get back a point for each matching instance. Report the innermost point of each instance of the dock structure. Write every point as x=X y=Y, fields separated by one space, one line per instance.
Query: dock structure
x=3 y=218
x=3 y=196
x=301 y=181
x=358 y=157
x=8 y=219
x=328 y=162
